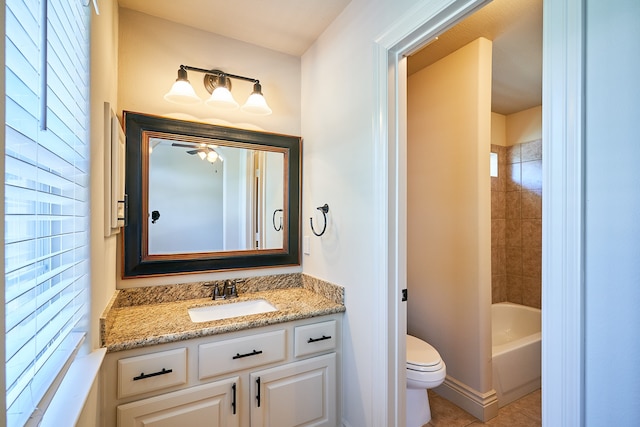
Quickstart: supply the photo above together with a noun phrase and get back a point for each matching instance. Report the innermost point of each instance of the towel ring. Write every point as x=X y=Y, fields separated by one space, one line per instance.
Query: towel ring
x=274 y=219
x=324 y=209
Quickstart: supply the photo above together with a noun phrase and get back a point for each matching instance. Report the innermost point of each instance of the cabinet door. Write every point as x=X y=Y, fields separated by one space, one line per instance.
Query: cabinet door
x=297 y=394
x=209 y=404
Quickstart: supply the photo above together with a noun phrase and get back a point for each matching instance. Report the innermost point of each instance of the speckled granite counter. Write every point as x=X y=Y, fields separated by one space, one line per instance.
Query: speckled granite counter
x=154 y=315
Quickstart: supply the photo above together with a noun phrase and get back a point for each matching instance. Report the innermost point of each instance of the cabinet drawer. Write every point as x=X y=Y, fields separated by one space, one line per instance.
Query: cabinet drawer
x=314 y=338
x=149 y=372
x=240 y=353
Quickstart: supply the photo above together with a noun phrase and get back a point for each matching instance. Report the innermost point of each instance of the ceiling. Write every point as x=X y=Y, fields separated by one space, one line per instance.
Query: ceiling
x=515 y=27
x=288 y=26
x=291 y=26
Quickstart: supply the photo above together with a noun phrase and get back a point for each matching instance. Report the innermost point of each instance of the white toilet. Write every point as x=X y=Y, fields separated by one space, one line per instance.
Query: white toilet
x=425 y=369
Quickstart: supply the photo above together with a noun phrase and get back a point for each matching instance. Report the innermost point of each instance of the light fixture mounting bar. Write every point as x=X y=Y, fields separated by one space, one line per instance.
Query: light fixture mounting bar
x=219 y=73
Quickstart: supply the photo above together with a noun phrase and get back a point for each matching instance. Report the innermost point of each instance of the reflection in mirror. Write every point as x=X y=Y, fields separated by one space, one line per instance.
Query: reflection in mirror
x=205 y=197
x=237 y=188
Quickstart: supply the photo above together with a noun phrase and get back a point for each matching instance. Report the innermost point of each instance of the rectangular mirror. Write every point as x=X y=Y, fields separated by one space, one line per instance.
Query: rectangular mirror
x=205 y=197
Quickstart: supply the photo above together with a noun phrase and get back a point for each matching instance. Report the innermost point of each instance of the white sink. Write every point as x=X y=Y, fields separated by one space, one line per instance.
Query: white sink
x=226 y=311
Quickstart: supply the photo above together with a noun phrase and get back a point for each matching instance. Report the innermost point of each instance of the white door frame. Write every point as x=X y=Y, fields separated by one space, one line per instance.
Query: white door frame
x=563 y=212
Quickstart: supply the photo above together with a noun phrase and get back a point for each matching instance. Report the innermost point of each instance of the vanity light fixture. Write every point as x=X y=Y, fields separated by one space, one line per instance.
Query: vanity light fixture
x=218 y=84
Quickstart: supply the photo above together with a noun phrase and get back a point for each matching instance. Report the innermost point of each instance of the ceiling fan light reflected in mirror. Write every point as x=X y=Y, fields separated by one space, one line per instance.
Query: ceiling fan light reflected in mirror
x=212 y=156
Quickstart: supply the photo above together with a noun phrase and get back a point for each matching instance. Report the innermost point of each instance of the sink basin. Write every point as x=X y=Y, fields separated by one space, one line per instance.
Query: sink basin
x=226 y=311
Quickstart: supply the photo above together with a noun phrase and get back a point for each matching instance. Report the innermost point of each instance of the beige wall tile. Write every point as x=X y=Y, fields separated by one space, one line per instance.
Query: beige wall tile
x=514 y=262
x=513 y=154
x=532 y=292
x=531 y=175
x=498 y=233
x=514 y=289
x=531 y=150
x=532 y=233
x=513 y=232
x=513 y=204
x=532 y=204
x=498 y=205
x=514 y=179
x=532 y=262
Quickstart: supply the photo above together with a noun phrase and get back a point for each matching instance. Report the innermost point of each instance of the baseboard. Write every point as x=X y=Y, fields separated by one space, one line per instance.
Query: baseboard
x=483 y=406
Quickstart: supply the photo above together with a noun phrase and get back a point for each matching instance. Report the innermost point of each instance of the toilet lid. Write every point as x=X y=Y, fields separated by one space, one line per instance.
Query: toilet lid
x=421 y=354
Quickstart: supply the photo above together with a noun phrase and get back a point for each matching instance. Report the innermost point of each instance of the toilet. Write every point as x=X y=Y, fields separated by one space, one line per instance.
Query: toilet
x=425 y=369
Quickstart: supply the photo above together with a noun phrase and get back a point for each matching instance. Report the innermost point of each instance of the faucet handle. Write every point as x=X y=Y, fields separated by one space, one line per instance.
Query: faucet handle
x=234 y=290
x=216 y=292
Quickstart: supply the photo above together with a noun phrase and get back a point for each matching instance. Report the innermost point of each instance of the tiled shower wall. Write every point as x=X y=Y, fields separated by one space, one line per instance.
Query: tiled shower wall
x=516 y=224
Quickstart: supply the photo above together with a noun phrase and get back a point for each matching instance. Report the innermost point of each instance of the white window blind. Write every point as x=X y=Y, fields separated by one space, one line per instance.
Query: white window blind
x=46 y=194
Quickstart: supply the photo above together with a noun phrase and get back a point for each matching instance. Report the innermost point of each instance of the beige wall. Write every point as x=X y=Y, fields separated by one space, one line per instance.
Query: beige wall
x=498 y=129
x=151 y=51
x=516 y=128
x=449 y=276
x=524 y=126
x=104 y=73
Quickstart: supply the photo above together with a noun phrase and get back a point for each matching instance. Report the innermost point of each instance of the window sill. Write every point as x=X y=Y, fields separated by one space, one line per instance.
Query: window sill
x=70 y=398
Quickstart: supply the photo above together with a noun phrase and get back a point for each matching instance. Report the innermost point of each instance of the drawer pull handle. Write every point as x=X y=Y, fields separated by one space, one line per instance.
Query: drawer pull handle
x=240 y=356
x=319 y=339
x=155 y=374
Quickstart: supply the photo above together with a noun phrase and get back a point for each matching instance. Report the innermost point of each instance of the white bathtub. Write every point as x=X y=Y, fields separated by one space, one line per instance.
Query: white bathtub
x=515 y=330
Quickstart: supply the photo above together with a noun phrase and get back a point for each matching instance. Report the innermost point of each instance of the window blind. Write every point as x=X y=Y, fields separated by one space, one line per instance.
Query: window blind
x=46 y=194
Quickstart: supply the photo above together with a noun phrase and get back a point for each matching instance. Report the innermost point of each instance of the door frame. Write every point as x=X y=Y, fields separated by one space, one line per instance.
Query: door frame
x=563 y=202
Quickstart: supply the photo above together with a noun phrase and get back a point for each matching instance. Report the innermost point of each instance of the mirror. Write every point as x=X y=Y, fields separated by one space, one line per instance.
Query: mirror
x=203 y=197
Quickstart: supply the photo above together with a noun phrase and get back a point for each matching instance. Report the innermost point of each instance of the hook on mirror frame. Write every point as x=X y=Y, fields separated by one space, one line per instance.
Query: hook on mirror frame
x=324 y=209
x=274 y=219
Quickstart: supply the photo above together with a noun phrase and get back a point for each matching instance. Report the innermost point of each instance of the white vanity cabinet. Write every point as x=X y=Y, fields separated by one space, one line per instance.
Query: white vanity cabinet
x=213 y=405
x=297 y=394
x=282 y=375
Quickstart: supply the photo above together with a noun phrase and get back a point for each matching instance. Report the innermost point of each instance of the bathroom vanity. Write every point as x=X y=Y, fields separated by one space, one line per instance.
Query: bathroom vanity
x=279 y=368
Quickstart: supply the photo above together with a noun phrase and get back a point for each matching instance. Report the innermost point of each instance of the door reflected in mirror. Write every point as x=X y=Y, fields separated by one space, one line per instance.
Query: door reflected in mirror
x=240 y=192
x=204 y=197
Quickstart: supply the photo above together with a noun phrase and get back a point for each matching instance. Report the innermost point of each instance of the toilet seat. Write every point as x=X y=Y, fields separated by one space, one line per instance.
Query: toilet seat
x=421 y=356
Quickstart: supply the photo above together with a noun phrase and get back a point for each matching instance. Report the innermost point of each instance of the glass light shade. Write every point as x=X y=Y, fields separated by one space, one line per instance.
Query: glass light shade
x=212 y=156
x=202 y=155
x=256 y=104
x=182 y=93
x=222 y=98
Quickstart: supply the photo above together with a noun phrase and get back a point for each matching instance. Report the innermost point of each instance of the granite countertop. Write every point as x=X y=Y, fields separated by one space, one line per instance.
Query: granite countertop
x=143 y=319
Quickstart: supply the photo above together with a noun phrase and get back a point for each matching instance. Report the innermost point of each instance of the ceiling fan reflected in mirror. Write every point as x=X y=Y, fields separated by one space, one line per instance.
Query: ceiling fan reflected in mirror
x=204 y=151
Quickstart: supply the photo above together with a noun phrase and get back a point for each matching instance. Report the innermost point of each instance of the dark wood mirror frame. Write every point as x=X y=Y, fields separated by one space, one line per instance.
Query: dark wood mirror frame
x=137 y=263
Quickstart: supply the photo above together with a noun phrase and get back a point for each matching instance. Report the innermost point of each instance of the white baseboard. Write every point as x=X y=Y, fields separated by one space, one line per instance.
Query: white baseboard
x=483 y=406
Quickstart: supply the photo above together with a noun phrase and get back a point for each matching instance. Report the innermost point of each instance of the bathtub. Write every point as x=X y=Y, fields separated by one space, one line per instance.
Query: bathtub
x=515 y=331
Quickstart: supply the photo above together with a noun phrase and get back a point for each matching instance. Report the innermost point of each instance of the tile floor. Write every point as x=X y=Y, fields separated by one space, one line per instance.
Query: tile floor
x=524 y=412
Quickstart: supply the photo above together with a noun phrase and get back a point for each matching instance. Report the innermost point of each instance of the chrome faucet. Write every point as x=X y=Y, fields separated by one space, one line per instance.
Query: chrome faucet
x=226 y=290
x=230 y=290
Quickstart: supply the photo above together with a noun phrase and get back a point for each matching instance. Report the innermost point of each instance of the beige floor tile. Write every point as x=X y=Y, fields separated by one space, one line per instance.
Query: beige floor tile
x=512 y=419
x=446 y=414
x=525 y=412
